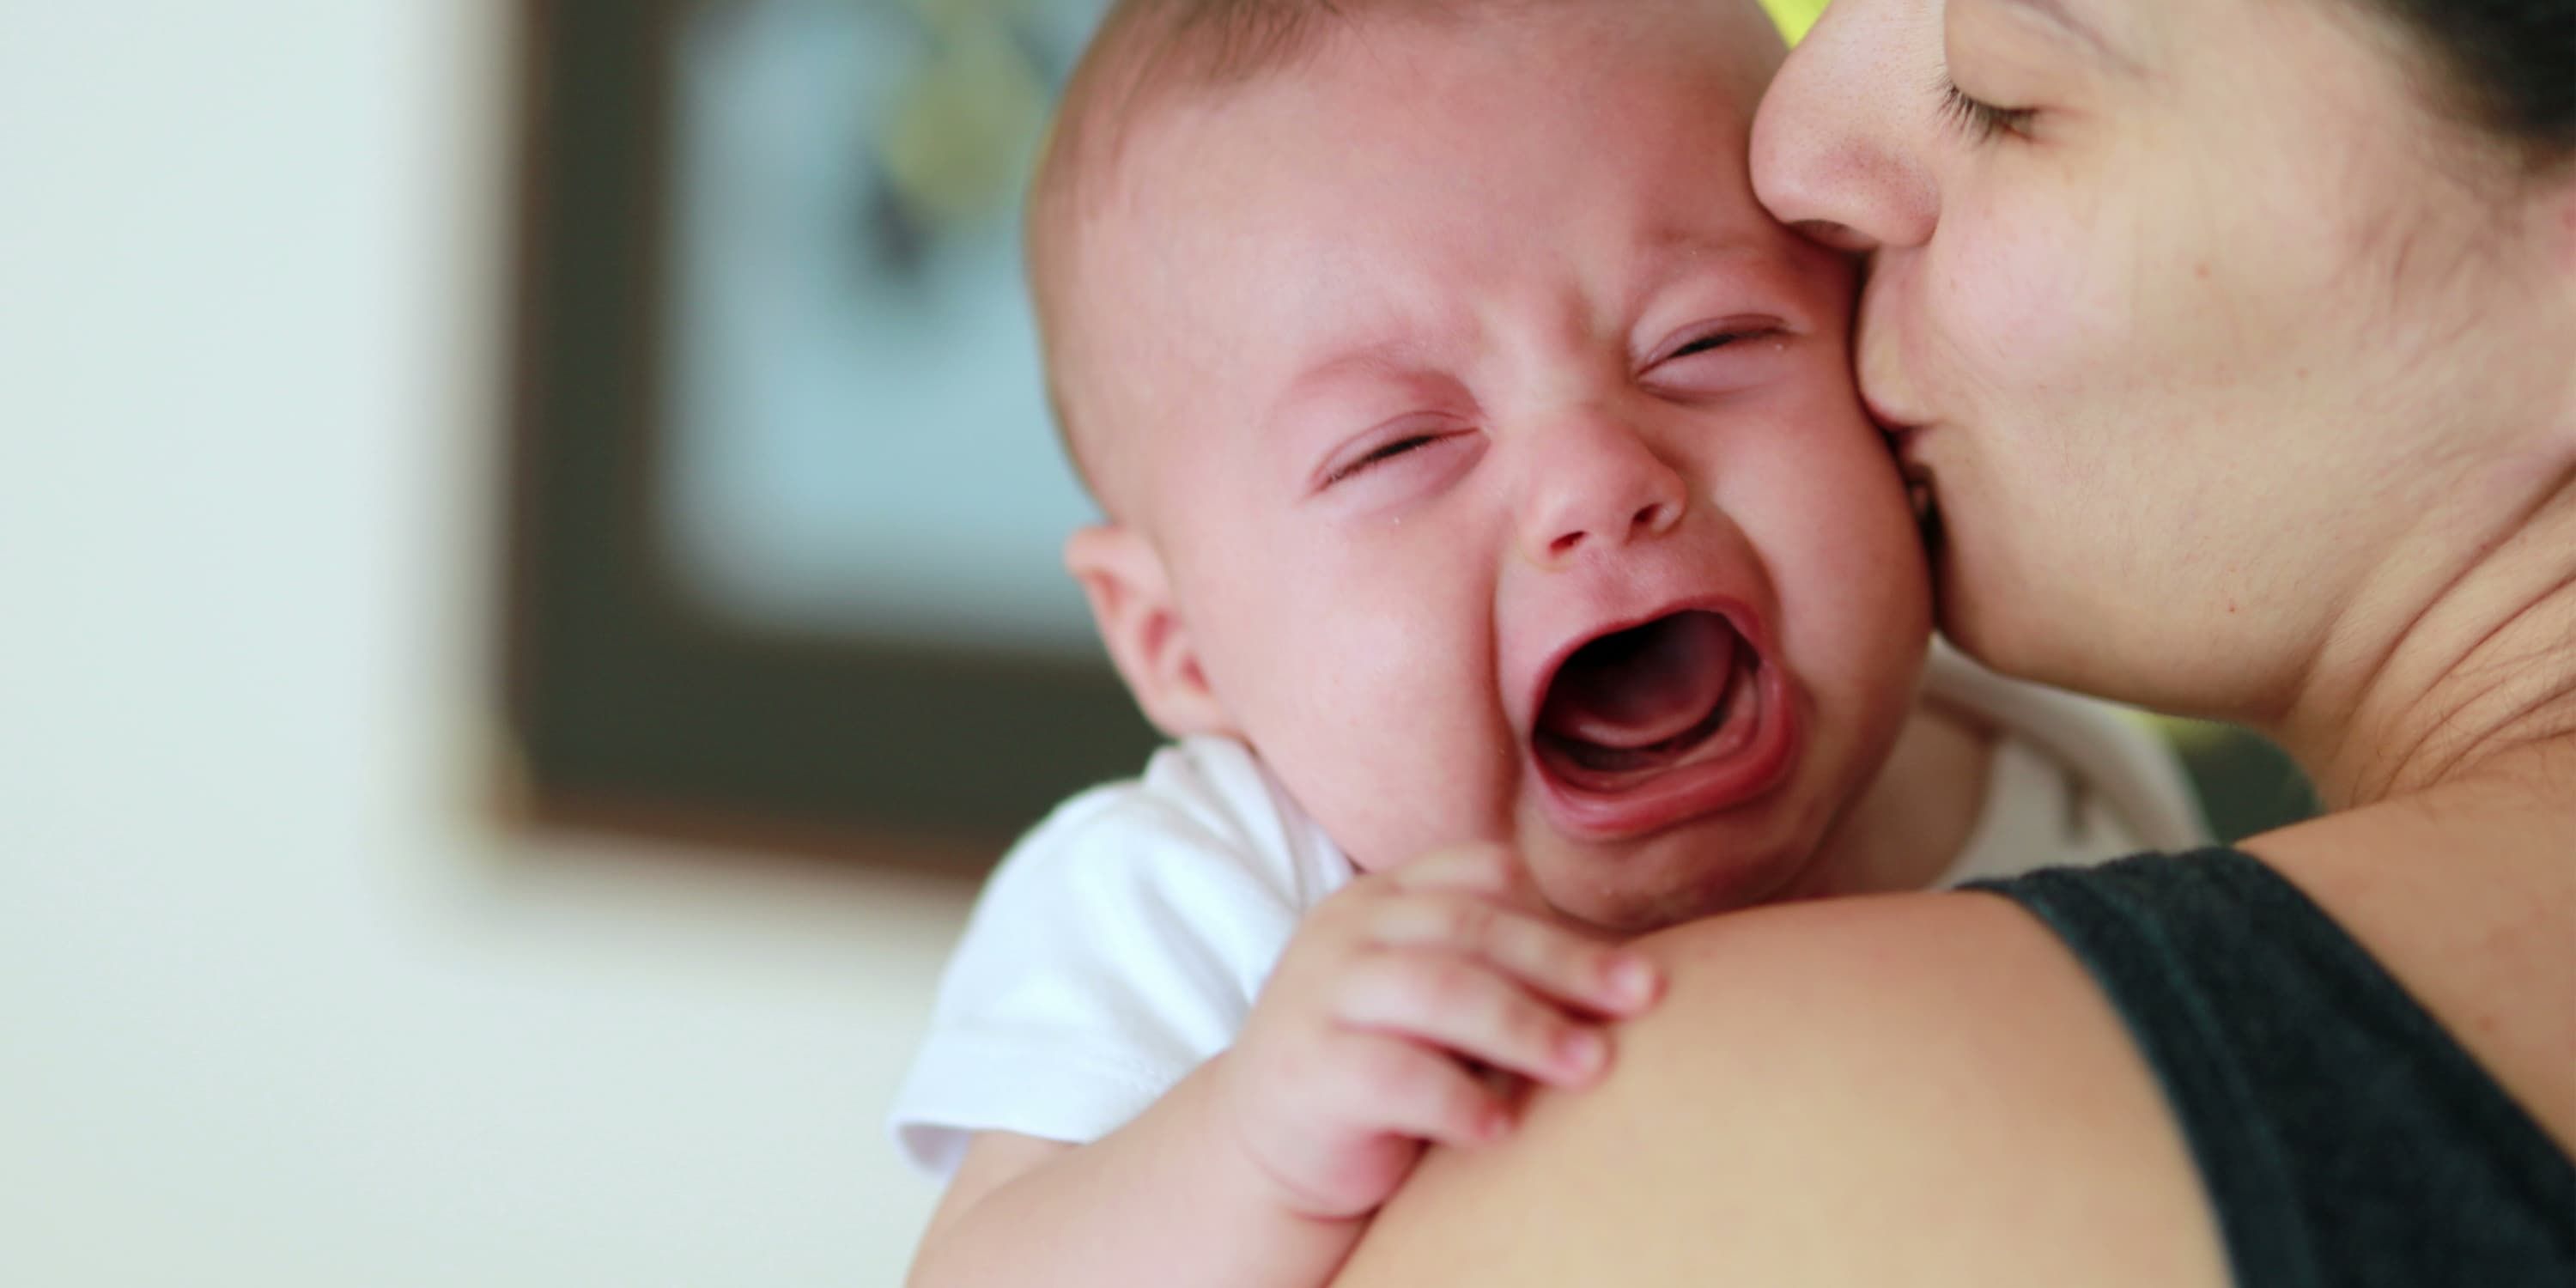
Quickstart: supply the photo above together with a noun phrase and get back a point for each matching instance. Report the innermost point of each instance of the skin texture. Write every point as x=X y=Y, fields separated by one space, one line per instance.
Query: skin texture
x=1831 y=1094
x=2241 y=378
x=1624 y=387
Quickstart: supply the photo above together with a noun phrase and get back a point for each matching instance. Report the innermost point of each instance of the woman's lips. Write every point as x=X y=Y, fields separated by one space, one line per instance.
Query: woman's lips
x=1922 y=488
x=1718 y=755
x=1918 y=494
x=1905 y=442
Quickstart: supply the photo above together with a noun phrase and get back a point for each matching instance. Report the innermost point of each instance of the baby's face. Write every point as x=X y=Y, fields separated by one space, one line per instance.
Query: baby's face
x=1503 y=458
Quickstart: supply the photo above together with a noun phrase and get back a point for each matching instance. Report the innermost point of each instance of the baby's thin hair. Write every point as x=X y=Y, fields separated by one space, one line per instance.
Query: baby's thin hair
x=1215 y=42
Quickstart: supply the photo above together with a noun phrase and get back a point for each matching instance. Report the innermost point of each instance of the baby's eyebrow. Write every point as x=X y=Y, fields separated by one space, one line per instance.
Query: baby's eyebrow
x=1351 y=380
x=1663 y=246
x=1665 y=252
x=1381 y=359
x=1669 y=255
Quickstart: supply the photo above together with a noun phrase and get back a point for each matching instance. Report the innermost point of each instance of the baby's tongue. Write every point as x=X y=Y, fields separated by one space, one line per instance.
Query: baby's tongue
x=1643 y=686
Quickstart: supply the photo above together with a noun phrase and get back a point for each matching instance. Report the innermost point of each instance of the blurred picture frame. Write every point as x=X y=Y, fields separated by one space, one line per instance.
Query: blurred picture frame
x=779 y=570
x=640 y=693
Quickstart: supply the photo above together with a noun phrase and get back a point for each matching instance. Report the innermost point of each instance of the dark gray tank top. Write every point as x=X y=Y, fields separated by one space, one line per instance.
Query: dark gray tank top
x=2342 y=1135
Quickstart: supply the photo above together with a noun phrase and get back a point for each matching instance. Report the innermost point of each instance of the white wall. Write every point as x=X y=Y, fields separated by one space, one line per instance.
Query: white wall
x=277 y=1005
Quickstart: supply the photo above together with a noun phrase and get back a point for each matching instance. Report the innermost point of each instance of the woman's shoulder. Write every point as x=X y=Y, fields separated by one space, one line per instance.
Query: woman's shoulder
x=1918 y=1088
x=2074 y=1083
x=2464 y=901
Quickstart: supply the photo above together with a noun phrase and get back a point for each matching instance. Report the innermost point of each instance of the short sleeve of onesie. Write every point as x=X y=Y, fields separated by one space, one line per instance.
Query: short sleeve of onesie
x=1117 y=947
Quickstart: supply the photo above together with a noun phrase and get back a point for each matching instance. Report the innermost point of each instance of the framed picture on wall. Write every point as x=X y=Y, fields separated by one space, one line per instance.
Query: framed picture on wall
x=783 y=555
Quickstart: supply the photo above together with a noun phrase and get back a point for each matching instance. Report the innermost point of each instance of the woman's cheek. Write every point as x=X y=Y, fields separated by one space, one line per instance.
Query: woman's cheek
x=2026 y=313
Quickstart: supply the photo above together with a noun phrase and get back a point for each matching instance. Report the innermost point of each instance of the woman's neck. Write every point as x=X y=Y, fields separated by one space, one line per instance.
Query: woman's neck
x=2461 y=661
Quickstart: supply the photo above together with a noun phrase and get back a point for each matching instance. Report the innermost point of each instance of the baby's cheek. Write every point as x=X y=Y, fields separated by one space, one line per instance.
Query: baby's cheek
x=1384 y=729
x=1410 y=776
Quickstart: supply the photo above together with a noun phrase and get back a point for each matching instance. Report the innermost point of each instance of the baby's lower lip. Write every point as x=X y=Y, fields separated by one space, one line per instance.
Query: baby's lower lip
x=1739 y=764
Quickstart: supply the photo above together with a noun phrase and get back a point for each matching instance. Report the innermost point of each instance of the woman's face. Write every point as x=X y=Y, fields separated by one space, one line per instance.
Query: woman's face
x=2194 y=339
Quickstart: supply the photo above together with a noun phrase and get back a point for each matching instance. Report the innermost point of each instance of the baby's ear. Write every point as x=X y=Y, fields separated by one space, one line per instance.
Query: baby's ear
x=1131 y=602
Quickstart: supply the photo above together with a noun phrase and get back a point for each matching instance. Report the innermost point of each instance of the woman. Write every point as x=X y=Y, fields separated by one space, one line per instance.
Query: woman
x=2236 y=341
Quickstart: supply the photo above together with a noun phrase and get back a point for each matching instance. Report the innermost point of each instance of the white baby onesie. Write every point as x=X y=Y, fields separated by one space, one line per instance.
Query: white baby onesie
x=1122 y=942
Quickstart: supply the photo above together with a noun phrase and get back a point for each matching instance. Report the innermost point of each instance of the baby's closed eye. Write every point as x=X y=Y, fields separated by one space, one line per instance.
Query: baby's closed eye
x=1410 y=436
x=1718 y=359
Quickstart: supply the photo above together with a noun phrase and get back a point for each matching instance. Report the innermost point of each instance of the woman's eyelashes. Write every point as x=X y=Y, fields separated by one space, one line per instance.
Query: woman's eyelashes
x=1979 y=120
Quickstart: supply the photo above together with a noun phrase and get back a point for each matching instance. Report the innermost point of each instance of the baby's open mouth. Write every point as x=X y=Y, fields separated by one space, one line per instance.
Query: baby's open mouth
x=1634 y=704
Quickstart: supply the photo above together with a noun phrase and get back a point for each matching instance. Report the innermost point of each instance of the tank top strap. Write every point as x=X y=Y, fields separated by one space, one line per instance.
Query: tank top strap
x=2342 y=1135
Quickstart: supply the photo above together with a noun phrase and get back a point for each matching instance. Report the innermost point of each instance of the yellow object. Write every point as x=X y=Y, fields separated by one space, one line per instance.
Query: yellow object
x=961 y=130
x=1794 y=16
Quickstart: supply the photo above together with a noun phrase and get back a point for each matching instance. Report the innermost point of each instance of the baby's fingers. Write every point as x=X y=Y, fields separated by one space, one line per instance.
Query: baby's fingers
x=1463 y=1005
x=1407 y=1089
x=1480 y=868
x=1542 y=955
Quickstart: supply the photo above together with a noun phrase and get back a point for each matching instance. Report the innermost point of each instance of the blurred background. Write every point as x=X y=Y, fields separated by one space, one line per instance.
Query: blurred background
x=288 y=995
x=504 y=694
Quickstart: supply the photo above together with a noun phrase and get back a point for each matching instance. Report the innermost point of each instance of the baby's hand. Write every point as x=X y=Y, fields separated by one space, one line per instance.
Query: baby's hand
x=1367 y=1040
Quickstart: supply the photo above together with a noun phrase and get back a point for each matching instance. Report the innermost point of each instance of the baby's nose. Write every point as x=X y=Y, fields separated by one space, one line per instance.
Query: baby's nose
x=1597 y=484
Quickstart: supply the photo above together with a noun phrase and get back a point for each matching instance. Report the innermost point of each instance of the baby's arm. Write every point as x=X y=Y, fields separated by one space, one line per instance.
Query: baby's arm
x=1151 y=1203
x=1263 y=1165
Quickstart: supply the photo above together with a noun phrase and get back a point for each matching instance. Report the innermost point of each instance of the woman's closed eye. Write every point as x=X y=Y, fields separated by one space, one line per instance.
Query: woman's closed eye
x=1979 y=120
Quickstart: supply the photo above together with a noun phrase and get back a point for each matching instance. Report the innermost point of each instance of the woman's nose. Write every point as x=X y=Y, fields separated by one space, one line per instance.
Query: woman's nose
x=1596 y=485
x=1835 y=145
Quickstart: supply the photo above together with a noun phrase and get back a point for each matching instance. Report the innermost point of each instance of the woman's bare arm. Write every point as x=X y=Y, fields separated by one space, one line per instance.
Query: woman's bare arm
x=1922 y=1089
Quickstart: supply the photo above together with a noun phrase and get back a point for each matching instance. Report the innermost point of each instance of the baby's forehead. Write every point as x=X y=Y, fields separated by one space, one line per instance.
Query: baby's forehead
x=1152 y=123
x=1315 y=198
x=1217 y=202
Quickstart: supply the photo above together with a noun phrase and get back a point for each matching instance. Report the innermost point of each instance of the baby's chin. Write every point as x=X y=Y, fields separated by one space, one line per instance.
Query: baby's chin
x=1682 y=874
